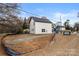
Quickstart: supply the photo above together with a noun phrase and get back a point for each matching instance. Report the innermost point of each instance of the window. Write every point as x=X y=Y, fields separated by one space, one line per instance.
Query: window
x=43 y=30
x=32 y=29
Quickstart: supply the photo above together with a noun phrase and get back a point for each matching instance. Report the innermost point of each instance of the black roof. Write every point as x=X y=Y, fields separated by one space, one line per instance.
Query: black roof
x=36 y=19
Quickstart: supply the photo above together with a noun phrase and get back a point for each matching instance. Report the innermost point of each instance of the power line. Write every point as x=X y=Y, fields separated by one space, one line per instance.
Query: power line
x=28 y=12
x=23 y=10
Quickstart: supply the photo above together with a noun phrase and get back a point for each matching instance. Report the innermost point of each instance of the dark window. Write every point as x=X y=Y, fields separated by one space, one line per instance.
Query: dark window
x=32 y=29
x=43 y=30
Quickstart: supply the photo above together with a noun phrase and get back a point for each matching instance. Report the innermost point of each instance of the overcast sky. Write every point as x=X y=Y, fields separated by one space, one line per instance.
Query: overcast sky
x=53 y=11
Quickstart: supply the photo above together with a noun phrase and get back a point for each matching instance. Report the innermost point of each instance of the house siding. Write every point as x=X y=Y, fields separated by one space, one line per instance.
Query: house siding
x=32 y=26
x=39 y=26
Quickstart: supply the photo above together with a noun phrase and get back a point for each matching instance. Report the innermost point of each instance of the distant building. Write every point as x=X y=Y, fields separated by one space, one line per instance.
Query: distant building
x=59 y=27
x=40 y=25
x=62 y=28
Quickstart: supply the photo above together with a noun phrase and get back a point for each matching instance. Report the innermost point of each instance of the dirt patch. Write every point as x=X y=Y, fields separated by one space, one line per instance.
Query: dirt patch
x=62 y=46
x=20 y=43
x=2 y=52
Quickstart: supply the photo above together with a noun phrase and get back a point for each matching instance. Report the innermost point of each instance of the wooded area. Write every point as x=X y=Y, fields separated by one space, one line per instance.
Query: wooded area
x=9 y=21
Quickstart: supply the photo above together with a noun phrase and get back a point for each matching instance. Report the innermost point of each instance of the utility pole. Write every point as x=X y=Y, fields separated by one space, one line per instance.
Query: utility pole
x=60 y=21
x=78 y=15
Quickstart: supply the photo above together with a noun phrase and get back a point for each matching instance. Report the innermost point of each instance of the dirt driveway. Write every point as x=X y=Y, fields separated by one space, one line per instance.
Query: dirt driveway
x=62 y=45
x=25 y=42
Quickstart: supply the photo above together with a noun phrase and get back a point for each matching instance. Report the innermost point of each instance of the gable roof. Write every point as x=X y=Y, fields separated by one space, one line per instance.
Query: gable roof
x=36 y=19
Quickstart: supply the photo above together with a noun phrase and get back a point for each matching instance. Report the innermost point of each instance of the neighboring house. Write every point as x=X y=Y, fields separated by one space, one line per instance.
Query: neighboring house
x=62 y=28
x=40 y=26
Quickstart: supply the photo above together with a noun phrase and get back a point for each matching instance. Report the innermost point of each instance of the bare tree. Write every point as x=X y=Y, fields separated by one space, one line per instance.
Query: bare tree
x=9 y=22
x=9 y=8
x=24 y=24
x=76 y=27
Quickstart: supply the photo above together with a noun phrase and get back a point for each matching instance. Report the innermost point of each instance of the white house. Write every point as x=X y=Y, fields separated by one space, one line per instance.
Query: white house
x=40 y=26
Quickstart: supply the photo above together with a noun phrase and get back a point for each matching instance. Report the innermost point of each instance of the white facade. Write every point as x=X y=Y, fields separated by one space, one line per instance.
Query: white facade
x=40 y=27
x=32 y=26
